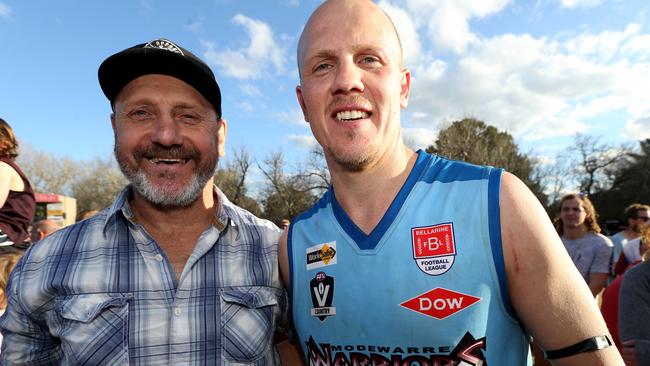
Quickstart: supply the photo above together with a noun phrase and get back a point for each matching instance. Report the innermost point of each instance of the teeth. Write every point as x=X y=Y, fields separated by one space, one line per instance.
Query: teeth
x=348 y=115
x=167 y=161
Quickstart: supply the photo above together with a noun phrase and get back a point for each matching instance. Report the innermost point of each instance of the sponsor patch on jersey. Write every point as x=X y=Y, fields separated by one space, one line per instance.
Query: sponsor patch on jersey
x=440 y=303
x=434 y=248
x=321 y=255
x=469 y=351
x=322 y=295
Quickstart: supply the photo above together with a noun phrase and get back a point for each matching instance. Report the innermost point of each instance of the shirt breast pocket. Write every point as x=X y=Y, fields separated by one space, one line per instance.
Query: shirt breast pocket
x=94 y=328
x=248 y=316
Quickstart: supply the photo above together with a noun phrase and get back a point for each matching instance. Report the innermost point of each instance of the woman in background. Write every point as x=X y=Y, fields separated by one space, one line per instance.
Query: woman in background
x=17 y=203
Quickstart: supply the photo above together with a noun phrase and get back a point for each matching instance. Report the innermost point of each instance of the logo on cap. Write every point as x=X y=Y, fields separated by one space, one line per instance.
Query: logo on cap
x=164 y=44
x=440 y=303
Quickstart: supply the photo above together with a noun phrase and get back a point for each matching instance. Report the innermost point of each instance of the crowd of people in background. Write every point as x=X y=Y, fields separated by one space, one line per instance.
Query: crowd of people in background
x=604 y=261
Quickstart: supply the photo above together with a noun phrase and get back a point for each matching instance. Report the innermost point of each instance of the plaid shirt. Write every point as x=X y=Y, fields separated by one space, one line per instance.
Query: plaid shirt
x=102 y=292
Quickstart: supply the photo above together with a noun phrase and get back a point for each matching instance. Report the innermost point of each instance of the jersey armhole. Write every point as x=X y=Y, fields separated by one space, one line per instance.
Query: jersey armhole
x=494 y=227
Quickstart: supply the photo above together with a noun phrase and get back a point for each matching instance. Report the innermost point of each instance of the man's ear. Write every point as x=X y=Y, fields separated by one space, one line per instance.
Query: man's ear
x=221 y=137
x=405 y=88
x=301 y=101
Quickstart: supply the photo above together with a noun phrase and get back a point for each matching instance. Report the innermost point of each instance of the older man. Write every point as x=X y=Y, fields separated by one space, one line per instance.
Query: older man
x=411 y=258
x=172 y=273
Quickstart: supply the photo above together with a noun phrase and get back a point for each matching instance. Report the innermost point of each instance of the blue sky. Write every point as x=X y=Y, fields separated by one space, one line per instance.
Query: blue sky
x=543 y=70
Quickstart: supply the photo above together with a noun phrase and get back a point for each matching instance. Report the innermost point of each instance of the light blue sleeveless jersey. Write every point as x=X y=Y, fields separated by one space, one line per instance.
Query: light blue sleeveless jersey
x=426 y=287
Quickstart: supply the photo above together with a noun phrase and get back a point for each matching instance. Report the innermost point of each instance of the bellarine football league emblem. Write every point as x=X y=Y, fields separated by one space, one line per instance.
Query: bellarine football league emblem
x=434 y=249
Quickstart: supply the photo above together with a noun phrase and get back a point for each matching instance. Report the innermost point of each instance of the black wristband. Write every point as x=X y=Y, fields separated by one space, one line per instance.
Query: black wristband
x=589 y=344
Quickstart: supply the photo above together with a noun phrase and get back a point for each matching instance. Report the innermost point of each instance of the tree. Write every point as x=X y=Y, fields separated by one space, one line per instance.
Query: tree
x=285 y=195
x=97 y=183
x=46 y=172
x=596 y=162
x=473 y=141
x=231 y=180
x=631 y=183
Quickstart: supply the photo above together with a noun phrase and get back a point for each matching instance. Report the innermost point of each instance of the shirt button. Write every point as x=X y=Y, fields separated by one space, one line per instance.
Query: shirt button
x=177 y=311
x=159 y=257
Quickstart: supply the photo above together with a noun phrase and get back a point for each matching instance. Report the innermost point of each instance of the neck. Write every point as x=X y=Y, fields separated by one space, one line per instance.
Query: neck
x=169 y=220
x=574 y=232
x=631 y=234
x=366 y=195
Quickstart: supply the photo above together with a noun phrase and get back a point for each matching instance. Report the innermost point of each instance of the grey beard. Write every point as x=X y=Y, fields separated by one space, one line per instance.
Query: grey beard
x=163 y=197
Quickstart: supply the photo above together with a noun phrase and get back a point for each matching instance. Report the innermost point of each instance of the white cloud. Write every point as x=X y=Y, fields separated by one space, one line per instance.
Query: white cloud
x=250 y=90
x=294 y=117
x=5 y=10
x=407 y=32
x=447 y=21
x=254 y=60
x=572 y=4
x=419 y=138
x=637 y=129
x=536 y=87
x=306 y=142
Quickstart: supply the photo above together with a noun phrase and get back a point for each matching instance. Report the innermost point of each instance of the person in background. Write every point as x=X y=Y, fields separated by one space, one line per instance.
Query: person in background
x=637 y=216
x=172 y=273
x=284 y=225
x=634 y=310
x=85 y=214
x=43 y=228
x=17 y=202
x=410 y=258
x=8 y=259
x=590 y=251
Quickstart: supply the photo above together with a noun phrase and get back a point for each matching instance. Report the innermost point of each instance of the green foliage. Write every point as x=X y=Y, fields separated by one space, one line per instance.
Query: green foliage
x=475 y=142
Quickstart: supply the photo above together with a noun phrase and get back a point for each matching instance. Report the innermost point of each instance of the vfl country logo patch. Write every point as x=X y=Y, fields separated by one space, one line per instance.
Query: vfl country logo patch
x=440 y=303
x=322 y=294
x=434 y=249
x=321 y=255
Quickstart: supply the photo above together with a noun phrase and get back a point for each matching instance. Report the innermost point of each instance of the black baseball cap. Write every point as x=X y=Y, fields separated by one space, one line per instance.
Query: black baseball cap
x=160 y=56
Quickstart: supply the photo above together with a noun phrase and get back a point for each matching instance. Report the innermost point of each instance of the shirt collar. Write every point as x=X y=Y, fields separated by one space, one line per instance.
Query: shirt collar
x=221 y=220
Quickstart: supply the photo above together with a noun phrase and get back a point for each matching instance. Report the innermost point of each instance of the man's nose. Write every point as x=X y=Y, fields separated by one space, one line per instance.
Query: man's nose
x=168 y=132
x=348 y=78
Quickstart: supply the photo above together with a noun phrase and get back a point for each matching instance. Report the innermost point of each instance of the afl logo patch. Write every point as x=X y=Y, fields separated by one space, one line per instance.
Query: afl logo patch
x=321 y=255
x=434 y=249
x=164 y=44
x=322 y=294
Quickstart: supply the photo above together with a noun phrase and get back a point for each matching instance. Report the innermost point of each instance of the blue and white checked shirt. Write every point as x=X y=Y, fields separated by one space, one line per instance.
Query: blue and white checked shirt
x=102 y=292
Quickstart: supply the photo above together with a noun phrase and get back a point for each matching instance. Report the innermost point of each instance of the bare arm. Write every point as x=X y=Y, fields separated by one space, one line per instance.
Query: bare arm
x=597 y=282
x=6 y=172
x=547 y=292
x=290 y=352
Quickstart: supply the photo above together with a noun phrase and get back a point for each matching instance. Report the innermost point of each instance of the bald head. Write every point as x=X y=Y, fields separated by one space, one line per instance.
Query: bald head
x=43 y=228
x=351 y=13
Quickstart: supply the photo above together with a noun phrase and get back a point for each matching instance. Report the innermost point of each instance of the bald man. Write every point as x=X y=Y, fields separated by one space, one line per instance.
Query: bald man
x=43 y=228
x=411 y=258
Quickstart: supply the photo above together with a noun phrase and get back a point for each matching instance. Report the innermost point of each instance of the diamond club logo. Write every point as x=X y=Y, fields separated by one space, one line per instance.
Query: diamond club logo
x=440 y=303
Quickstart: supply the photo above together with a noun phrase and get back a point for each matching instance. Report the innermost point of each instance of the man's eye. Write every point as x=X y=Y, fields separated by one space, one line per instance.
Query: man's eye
x=322 y=66
x=369 y=60
x=189 y=118
x=140 y=114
